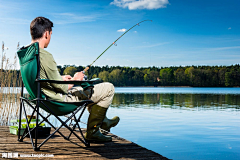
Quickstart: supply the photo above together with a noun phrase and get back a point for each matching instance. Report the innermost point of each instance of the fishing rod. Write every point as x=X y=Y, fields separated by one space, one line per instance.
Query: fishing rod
x=114 y=43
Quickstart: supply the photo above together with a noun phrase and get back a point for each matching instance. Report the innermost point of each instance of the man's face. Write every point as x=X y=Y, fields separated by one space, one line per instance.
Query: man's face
x=48 y=38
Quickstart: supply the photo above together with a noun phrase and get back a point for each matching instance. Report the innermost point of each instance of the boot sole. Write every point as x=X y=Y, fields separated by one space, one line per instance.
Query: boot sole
x=97 y=141
x=112 y=126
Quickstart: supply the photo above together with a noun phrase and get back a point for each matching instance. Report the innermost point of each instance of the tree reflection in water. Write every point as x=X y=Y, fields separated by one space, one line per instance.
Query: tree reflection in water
x=179 y=101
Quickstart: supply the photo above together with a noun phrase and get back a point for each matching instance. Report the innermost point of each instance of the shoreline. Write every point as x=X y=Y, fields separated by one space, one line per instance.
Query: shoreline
x=172 y=87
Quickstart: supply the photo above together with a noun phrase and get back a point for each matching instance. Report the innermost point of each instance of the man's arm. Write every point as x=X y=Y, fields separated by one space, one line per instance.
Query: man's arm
x=77 y=76
x=67 y=78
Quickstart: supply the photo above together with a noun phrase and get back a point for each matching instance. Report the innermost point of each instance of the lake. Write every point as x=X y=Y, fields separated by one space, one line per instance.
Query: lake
x=180 y=122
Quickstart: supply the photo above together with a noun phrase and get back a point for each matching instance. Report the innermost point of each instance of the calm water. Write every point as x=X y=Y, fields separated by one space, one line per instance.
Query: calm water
x=180 y=123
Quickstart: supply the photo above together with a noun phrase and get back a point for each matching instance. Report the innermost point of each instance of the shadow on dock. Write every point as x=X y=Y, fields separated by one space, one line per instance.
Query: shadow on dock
x=119 y=148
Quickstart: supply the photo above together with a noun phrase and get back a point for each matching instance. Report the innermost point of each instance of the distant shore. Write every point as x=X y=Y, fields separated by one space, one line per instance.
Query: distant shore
x=176 y=87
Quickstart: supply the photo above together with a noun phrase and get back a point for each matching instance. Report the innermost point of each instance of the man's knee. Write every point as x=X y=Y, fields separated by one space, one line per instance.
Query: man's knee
x=110 y=87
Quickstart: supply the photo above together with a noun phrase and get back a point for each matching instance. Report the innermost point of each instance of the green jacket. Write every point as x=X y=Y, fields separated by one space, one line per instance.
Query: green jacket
x=48 y=70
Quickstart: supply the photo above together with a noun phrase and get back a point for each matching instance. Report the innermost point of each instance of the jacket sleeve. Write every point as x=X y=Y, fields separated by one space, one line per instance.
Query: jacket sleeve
x=52 y=73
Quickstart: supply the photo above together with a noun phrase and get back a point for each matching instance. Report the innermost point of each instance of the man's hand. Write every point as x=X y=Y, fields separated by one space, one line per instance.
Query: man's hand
x=66 y=77
x=78 y=76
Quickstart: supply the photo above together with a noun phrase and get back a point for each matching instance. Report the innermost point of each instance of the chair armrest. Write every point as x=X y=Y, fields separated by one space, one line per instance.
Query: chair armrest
x=70 y=82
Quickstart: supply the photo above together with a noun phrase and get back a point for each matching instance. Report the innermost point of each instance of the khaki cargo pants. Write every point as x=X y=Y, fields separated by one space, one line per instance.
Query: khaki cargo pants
x=102 y=94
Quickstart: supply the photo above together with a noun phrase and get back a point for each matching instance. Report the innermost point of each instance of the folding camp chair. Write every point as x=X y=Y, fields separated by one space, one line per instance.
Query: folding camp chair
x=30 y=72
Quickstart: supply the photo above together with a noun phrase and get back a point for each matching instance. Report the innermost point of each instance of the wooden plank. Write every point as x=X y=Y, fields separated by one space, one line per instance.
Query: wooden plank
x=119 y=148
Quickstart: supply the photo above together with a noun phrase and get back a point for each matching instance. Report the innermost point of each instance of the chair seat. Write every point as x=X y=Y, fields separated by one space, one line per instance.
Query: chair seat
x=74 y=103
x=59 y=108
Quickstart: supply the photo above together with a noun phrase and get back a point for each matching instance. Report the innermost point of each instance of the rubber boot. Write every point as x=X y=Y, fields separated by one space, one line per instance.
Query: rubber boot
x=95 y=120
x=109 y=123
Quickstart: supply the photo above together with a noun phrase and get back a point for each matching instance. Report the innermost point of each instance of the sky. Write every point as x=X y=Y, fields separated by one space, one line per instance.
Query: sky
x=182 y=33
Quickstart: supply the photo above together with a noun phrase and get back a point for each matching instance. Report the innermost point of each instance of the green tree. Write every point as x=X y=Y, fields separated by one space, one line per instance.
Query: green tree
x=115 y=77
x=179 y=75
x=153 y=75
x=232 y=77
x=189 y=75
x=70 y=71
x=221 y=76
x=228 y=78
x=138 y=78
x=166 y=76
x=146 y=79
x=94 y=76
x=104 y=76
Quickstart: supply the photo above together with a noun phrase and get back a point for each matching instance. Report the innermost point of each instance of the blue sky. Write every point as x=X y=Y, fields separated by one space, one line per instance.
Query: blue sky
x=187 y=32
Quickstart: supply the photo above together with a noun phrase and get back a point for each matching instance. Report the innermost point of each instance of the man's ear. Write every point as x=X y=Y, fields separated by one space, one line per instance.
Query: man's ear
x=45 y=35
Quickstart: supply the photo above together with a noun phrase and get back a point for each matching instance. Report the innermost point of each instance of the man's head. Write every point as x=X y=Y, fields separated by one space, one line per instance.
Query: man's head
x=41 y=30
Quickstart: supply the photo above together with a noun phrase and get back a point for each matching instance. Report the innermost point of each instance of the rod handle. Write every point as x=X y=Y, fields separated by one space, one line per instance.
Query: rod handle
x=86 y=69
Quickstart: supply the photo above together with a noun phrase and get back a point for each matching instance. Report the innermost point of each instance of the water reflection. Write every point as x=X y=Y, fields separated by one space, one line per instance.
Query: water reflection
x=181 y=126
x=180 y=101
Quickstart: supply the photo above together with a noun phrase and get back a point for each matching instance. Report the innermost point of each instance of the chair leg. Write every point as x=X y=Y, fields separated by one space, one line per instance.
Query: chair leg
x=34 y=109
x=28 y=128
x=28 y=131
x=20 y=114
x=64 y=123
x=87 y=144
x=77 y=121
x=20 y=121
x=36 y=130
x=46 y=120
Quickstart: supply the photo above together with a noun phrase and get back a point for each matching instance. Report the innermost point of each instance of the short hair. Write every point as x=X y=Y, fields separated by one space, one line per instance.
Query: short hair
x=40 y=25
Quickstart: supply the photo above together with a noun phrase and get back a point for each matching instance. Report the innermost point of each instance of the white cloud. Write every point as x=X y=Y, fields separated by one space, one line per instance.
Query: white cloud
x=68 y=18
x=152 y=45
x=135 y=31
x=224 y=48
x=140 y=4
x=14 y=21
x=122 y=30
x=229 y=28
x=215 y=49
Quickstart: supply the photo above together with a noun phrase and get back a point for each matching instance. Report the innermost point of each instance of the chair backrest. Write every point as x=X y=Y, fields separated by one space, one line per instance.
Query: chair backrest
x=30 y=70
x=28 y=59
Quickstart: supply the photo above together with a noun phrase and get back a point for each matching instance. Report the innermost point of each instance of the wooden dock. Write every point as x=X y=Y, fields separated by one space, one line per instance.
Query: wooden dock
x=59 y=148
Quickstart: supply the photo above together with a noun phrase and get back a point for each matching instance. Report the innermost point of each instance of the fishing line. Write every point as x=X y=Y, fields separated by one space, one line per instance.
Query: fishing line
x=114 y=43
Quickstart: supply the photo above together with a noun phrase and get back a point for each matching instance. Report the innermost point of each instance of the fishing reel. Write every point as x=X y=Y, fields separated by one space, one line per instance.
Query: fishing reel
x=85 y=78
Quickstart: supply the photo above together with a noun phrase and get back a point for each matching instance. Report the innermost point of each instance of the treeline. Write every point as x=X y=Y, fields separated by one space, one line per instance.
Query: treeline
x=196 y=76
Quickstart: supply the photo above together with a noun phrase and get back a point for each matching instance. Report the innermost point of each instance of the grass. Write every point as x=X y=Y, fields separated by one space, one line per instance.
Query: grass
x=9 y=91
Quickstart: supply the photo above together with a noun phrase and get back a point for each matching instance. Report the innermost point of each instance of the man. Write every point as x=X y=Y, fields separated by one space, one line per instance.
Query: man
x=41 y=32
